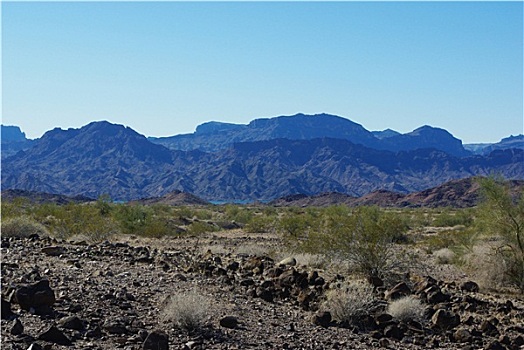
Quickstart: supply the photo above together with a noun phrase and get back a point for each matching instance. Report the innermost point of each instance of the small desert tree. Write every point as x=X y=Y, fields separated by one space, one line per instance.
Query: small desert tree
x=502 y=216
x=363 y=236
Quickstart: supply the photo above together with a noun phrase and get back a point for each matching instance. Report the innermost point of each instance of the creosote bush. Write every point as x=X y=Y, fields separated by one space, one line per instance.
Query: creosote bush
x=351 y=302
x=363 y=236
x=22 y=227
x=406 y=309
x=187 y=310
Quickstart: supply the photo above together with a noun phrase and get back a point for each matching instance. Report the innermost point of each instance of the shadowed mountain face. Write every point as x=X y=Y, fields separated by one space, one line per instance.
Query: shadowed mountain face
x=215 y=136
x=13 y=140
x=106 y=158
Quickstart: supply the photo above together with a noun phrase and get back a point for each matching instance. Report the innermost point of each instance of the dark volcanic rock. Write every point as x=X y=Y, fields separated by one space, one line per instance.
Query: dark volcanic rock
x=156 y=340
x=54 y=335
x=7 y=313
x=229 y=322
x=322 y=318
x=72 y=322
x=17 y=327
x=445 y=319
x=37 y=296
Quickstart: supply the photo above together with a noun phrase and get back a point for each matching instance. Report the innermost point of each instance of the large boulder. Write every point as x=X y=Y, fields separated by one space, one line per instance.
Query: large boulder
x=37 y=296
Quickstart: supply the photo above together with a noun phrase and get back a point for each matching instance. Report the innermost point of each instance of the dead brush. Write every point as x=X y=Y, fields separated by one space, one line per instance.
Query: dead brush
x=187 y=310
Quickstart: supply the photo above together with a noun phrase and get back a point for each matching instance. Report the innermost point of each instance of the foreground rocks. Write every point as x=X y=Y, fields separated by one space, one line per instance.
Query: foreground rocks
x=114 y=296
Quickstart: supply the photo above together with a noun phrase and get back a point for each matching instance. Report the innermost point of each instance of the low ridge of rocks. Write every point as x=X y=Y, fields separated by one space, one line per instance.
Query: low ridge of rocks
x=113 y=295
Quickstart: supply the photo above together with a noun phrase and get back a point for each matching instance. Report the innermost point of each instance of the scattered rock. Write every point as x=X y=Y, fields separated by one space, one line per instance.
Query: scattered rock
x=375 y=281
x=72 y=322
x=290 y=261
x=322 y=318
x=393 y=331
x=229 y=322
x=35 y=346
x=445 y=319
x=35 y=296
x=487 y=327
x=469 y=286
x=17 y=328
x=383 y=319
x=7 y=313
x=400 y=290
x=114 y=327
x=54 y=335
x=156 y=340
x=495 y=345
x=462 y=335
x=53 y=250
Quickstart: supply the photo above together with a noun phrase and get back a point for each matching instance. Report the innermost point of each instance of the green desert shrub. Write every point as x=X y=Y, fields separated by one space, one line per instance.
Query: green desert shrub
x=17 y=207
x=460 y=241
x=406 y=309
x=364 y=237
x=238 y=214
x=187 y=310
x=501 y=217
x=350 y=302
x=259 y=224
x=450 y=218
x=199 y=227
x=295 y=228
x=132 y=219
x=22 y=227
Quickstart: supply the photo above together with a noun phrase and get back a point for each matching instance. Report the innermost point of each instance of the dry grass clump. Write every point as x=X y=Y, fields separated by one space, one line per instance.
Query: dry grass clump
x=444 y=256
x=350 y=302
x=252 y=249
x=317 y=261
x=485 y=266
x=406 y=309
x=187 y=310
x=22 y=227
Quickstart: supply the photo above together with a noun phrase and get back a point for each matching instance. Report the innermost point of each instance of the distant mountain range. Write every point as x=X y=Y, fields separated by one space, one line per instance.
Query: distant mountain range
x=215 y=136
x=264 y=160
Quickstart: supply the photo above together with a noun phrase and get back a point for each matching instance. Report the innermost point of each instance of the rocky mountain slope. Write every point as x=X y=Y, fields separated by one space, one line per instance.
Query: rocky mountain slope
x=106 y=158
x=13 y=140
x=215 y=136
x=42 y=197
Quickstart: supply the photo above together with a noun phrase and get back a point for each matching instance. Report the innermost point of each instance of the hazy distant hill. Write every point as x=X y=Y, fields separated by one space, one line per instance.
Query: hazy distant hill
x=105 y=158
x=506 y=143
x=215 y=136
x=173 y=198
x=461 y=193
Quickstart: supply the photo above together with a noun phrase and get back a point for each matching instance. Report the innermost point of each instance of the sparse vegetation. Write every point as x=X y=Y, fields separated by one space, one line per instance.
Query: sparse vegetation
x=350 y=302
x=444 y=256
x=502 y=218
x=363 y=236
x=187 y=310
x=406 y=309
x=22 y=227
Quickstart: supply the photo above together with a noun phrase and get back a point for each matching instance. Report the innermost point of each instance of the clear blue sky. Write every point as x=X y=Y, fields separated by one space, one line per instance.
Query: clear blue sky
x=162 y=68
